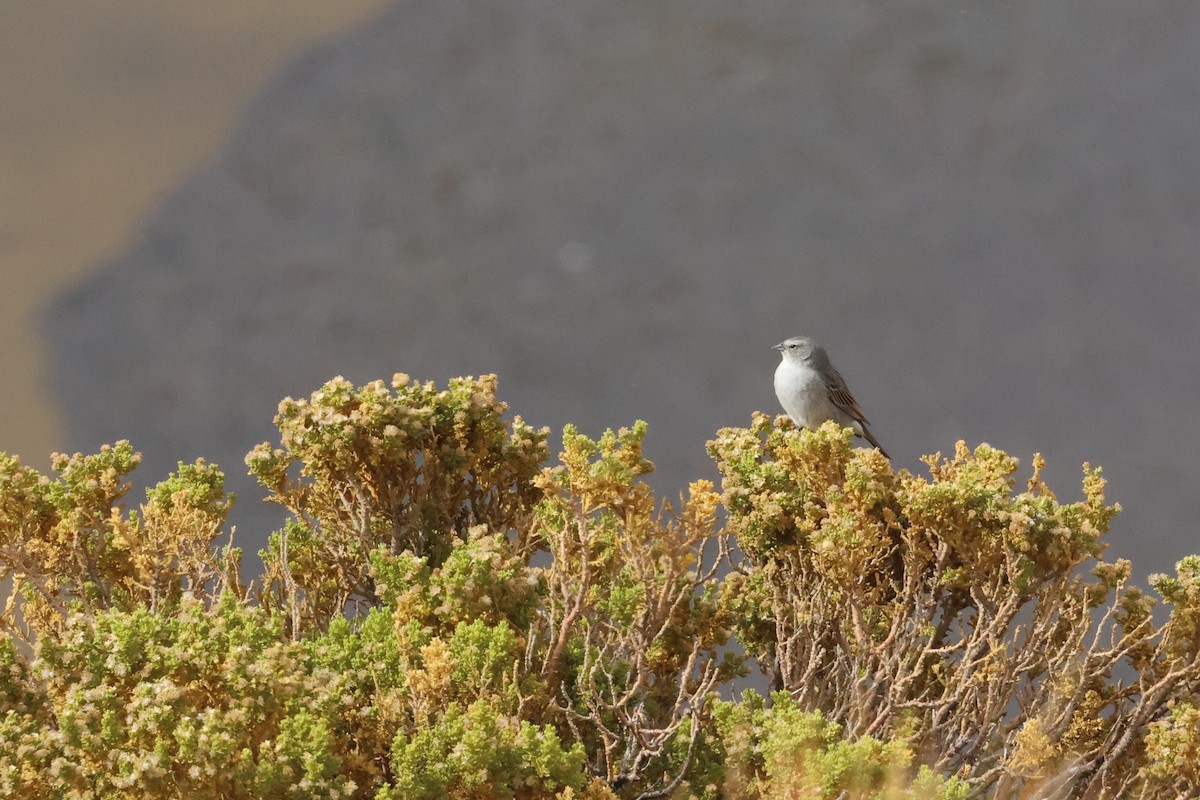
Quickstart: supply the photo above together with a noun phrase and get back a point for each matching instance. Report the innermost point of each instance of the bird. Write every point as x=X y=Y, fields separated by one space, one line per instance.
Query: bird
x=811 y=391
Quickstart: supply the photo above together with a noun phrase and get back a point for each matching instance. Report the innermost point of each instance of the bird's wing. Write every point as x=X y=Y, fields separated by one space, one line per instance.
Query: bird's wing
x=842 y=398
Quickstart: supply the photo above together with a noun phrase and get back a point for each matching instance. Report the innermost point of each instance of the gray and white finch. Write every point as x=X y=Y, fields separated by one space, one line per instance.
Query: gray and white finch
x=811 y=391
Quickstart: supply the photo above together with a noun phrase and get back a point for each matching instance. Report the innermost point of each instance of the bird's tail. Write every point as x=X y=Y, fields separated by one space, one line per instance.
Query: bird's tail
x=866 y=434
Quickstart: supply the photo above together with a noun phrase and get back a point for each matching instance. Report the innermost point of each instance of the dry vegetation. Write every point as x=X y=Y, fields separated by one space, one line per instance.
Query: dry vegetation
x=445 y=614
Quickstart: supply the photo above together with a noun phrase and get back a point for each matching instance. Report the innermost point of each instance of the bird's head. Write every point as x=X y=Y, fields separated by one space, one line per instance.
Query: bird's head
x=798 y=348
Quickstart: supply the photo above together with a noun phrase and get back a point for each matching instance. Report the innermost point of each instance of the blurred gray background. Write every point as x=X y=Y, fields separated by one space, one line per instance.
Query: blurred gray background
x=986 y=211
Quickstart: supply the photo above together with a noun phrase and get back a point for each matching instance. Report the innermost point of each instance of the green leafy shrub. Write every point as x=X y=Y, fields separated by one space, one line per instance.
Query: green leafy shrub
x=784 y=751
x=408 y=470
x=975 y=621
x=481 y=752
x=447 y=614
x=67 y=545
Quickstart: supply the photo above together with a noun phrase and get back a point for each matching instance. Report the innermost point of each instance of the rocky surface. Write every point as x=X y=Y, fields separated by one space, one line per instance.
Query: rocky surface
x=987 y=212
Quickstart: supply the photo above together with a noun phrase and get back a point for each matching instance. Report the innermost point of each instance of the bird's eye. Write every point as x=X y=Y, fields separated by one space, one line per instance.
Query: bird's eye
x=791 y=347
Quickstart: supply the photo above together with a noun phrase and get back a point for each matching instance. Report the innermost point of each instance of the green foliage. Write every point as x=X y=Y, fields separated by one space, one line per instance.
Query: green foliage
x=480 y=752
x=202 y=702
x=953 y=610
x=67 y=544
x=784 y=751
x=1173 y=747
x=446 y=614
x=407 y=469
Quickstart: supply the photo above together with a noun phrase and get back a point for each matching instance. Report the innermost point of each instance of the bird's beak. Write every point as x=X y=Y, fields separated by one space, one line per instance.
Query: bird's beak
x=777 y=346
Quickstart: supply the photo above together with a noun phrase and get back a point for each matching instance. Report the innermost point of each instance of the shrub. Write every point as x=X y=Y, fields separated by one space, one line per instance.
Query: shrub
x=447 y=614
x=407 y=470
x=976 y=622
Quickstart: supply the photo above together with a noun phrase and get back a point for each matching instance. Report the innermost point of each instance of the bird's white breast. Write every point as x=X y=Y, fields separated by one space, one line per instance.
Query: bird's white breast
x=805 y=397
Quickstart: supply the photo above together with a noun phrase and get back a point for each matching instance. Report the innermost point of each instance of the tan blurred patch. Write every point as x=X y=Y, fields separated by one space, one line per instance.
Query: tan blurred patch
x=106 y=107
